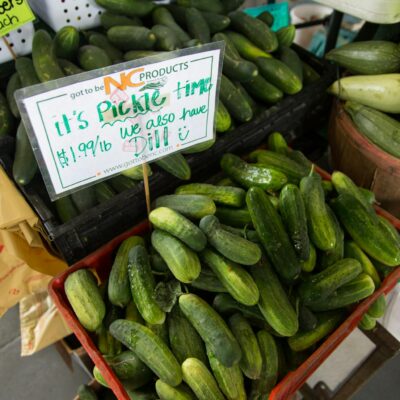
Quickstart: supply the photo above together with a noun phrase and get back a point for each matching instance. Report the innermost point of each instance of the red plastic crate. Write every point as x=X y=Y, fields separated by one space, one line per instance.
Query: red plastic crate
x=101 y=261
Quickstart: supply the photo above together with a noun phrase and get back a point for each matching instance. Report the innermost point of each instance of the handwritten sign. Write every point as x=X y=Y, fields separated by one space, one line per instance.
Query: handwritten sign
x=87 y=127
x=13 y=14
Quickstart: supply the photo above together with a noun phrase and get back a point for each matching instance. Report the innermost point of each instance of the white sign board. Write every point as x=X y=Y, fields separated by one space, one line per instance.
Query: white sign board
x=90 y=126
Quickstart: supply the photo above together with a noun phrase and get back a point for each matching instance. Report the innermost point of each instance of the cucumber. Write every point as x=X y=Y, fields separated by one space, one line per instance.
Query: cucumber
x=194 y=206
x=223 y=119
x=269 y=372
x=307 y=319
x=352 y=250
x=226 y=195
x=327 y=322
x=176 y=165
x=101 y=41
x=66 y=42
x=6 y=118
x=236 y=279
x=293 y=212
x=244 y=233
x=216 y=22
x=208 y=282
x=106 y=346
x=239 y=218
x=157 y=263
x=319 y=286
x=191 y=43
x=371 y=57
x=230 y=379
x=84 y=199
x=211 y=328
x=136 y=173
x=263 y=91
x=369 y=195
x=85 y=392
x=140 y=394
x=231 y=246
x=231 y=5
x=286 y=36
x=161 y=16
x=181 y=260
x=104 y=192
x=142 y=285
x=272 y=234
x=137 y=54
x=26 y=71
x=14 y=83
x=274 y=303
x=293 y=170
x=255 y=30
x=25 y=165
x=198 y=148
x=225 y=182
x=251 y=361
x=167 y=39
x=300 y=158
x=357 y=289
x=92 y=57
x=167 y=392
x=251 y=175
x=309 y=265
x=109 y=19
x=320 y=223
x=256 y=108
x=292 y=60
x=376 y=126
x=44 y=59
x=267 y=18
x=161 y=330
x=119 y=292
x=378 y=307
x=310 y=75
x=279 y=74
x=389 y=229
x=197 y=25
x=245 y=47
x=69 y=68
x=328 y=188
x=132 y=37
x=203 y=5
x=184 y=339
x=178 y=226
x=132 y=313
x=121 y=183
x=200 y=380
x=366 y=231
x=277 y=143
x=131 y=8
x=66 y=209
x=234 y=101
x=178 y=13
x=144 y=343
x=85 y=299
x=367 y=323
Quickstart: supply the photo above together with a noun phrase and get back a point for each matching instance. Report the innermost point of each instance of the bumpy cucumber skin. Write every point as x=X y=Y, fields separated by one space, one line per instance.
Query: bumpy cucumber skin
x=14 y=83
x=309 y=265
x=209 y=282
x=378 y=307
x=223 y=120
x=6 y=118
x=197 y=25
x=262 y=90
x=176 y=165
x=93 y=57
x=367 y=322
x=167 y=392
x=238 y=218
x=66 y=42
x=100 y=40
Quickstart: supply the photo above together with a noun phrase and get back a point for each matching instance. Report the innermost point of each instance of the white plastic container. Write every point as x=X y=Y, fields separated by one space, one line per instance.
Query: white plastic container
x=20 y=40
x=83 y=14
x=378 y=11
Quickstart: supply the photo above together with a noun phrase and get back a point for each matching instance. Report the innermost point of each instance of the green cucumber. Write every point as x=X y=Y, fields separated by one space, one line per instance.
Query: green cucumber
x=101 y=41
x=93 y=57
x=85 y=392
x=136 y=173
x=200 y=380
x=120 y=183
x=144 y=343
x=292 y=60
x=378 y=307
x=328 y=188
x=293 y=212
x=245 y=47
x=167 y=39
x=389 y=229
x=216 y=22
x=352 y=250
x=250 y=175
x=84 y=199
x=131 y=37
x=85 y=299
x=197 y=25
x=366 y=231
x=309 y=265
x=195 y=206
x=274 y=303
x=66 y=209
x=161 y=16
x=327 y=322
x=132 y=313
x=14 y=83
x=279 y=74
x=300 y=158
x=277 y=143
x=198 y=148
x=142 y=285
x=108 y=19
x=234 y=101
x=223 y=119
x=267 y=18
x=203 y=5
x=26 y=71
x=44 y=58
x=236 y=279
x=137 y=54
x=251 y=361
x=184 y=339
x=176 y=165
x=226 y=195
x=119 y=292
x=320 y=224
x=25 y=165
x=310 y=75
x=230 y=379
x=66 y=42
x=264 y=91
x=286 y=36
x=239 y=218
x=319 y=286
x=256 y=108
x=272 y=234
x=307 y=319
x=167 y=392
x=179 y=14
x=208 y=282
x=255 y=30
x=131 y=8
x=6 y=118
x=245 y=233
x=357 y=289
x=181 y=260
x=179 y=226
x=211 y=328
x=161 y=330
x=69 y=68
x=367 y=323
x=104 y=192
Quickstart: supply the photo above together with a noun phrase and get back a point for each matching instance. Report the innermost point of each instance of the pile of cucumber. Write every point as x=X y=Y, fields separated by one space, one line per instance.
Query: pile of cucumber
x=372 y=92
x=238 y=280
x=252 y=78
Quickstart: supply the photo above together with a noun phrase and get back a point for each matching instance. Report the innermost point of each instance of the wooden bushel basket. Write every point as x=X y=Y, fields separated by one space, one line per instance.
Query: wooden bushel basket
x=368 y=165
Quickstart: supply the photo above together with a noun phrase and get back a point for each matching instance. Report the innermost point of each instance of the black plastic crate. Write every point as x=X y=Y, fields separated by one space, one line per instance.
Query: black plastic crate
x=87 y=232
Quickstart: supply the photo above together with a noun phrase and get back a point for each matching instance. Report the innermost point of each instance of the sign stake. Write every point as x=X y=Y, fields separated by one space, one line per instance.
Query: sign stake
x=10 y=49
x=146 y=188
